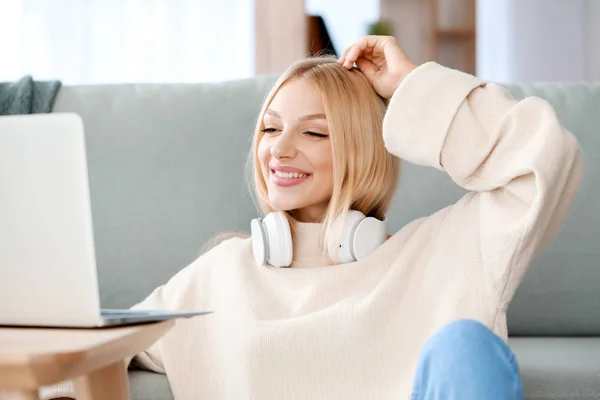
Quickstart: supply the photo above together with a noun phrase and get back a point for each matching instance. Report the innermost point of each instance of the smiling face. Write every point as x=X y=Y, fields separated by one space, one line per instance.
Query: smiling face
x=316 y=169
x=295 y=152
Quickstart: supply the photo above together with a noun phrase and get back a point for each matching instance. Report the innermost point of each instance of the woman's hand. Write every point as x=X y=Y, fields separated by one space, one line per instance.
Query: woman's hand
x=381 y=59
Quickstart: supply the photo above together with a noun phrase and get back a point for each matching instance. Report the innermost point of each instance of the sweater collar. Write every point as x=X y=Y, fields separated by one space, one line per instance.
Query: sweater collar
x=308 y=249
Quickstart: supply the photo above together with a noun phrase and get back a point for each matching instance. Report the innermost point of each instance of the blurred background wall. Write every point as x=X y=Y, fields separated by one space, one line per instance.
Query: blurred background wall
x=115 y=41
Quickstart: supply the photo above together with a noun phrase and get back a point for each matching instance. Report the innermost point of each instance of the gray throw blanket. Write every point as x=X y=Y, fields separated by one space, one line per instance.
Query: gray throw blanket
x=27 y=96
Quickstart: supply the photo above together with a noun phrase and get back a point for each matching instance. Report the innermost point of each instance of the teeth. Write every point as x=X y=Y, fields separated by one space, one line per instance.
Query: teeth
x=290 y=175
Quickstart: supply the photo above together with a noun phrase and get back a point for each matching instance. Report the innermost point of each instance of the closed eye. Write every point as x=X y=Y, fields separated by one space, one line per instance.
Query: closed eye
x=269 y=130
x=316 y=134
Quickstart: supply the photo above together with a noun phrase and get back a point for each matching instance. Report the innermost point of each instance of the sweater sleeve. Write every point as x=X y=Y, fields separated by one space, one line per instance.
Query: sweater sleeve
x=176 y=294
x=521 y=166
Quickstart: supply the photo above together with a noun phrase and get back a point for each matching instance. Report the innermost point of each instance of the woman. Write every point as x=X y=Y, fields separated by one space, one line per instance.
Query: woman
x=421 y=314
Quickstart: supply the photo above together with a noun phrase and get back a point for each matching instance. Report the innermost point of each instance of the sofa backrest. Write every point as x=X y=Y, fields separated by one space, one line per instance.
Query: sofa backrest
x=167 y=173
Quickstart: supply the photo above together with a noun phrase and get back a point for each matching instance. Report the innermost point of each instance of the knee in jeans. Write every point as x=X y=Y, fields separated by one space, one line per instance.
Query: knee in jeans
x=467 y=351
x=459 y=335
x=467 y=328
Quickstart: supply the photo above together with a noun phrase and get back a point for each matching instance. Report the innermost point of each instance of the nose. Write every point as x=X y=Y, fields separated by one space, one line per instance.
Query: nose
x=283 y=146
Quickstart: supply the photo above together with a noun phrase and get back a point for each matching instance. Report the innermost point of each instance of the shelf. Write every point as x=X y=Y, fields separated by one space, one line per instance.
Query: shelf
x=455 y=33
x=443 y=31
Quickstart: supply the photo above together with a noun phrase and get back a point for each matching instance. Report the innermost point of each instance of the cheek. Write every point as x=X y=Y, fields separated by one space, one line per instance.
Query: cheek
x=263 y=155
x=323 y=163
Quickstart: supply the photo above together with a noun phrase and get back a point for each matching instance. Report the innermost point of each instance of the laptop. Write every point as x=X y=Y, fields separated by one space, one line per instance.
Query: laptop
x=48 y=275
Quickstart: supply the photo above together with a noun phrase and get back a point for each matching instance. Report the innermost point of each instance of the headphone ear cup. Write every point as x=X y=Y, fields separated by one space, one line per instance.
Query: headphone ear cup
x=279 y=236
x=260 y=241
x=341 y=237
x=370 y=233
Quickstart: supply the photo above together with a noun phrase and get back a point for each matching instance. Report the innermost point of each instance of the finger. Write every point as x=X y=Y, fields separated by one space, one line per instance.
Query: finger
x=342 y=59
x=366 y=67
x=369 y=56
x=367 y=44
x=349 y=62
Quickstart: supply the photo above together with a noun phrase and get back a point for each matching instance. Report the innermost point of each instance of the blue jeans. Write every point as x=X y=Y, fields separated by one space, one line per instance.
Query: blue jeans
x=465 y=360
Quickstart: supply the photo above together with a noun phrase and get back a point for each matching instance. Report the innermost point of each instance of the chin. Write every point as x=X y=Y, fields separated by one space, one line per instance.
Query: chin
x=283 y=205
x=287 y=199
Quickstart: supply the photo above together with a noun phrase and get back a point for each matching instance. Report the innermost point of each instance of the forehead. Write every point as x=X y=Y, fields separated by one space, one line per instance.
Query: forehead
x=297 y=97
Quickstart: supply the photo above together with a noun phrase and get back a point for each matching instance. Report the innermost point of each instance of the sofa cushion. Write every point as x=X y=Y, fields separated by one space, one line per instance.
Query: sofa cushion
x=559 y=294
x=558 y=368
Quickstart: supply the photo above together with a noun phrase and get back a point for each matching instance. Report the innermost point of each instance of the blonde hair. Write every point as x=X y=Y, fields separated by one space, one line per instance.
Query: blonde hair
x=365 y=174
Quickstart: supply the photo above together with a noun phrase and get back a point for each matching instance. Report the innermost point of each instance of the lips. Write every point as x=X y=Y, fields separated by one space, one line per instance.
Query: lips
x=288 y=176
x=283 y=168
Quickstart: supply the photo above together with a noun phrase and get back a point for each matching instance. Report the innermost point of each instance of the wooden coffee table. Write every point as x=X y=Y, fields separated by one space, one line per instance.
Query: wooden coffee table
x=92 y=358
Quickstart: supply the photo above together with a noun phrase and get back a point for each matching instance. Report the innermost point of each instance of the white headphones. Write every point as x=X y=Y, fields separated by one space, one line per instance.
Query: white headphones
x=272 y=238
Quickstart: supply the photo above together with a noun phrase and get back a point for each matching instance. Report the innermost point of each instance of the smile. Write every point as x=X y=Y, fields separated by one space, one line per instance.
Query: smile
x=288 y=179
x=289 y=174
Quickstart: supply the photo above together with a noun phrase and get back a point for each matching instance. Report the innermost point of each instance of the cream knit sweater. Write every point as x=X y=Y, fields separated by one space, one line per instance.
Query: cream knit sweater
x=354 y=331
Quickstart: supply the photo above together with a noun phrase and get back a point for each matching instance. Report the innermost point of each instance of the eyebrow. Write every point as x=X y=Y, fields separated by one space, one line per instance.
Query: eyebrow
x=304 y=118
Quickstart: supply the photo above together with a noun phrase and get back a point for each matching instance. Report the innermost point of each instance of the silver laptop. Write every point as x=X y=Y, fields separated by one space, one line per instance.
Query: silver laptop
x=47 y=255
